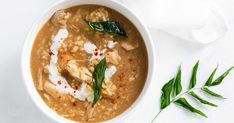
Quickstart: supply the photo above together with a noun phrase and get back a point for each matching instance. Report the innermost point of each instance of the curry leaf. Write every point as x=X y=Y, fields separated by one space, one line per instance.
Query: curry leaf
x=193 y=79
x=220 y=79
x=184 y=103
x=166 y=94
x=177 y=98
x=210 y=79
x=110 y=26
x=177 y=83
x=98 y=77
x=208 y=91
x=201 y=99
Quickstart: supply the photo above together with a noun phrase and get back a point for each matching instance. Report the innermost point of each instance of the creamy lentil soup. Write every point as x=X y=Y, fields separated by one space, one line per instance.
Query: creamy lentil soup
x=89 y=63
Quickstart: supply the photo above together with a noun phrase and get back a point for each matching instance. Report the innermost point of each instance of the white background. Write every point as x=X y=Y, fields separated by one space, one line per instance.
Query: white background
x=16 y=18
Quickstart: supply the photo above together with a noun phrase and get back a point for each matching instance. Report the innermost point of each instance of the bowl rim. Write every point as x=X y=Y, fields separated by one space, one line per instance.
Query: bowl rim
x=30 y=38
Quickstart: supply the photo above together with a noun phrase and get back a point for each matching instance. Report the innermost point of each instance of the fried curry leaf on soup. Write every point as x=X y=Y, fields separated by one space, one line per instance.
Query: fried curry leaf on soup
x=98 y=78
x=110 y=26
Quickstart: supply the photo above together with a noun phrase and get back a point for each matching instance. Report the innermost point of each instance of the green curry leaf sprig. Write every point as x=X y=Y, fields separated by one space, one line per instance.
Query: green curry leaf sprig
x=110 y=26
x=171 y=91
x=98 y=78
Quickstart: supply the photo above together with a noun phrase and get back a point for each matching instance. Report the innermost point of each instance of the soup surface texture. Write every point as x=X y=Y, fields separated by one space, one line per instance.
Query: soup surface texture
x=89 y=63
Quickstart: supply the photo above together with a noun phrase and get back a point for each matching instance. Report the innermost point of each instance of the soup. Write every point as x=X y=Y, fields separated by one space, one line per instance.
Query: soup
x=89 y=63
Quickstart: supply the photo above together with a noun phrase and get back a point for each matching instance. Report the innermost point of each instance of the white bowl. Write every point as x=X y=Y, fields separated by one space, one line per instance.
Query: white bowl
x=26 y=71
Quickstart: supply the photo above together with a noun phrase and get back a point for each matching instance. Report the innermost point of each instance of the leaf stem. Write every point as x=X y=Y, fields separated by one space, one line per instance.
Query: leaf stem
x=177 y=97
x=186 y=92
x=156 y=116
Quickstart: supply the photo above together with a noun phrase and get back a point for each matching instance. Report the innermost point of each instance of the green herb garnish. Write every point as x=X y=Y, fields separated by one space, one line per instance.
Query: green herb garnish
x=110 y=26
x=166 y=92
x=193 y=80
x=98 y=78
x=171 y=91
x=184 y=103
x=210 y=79
x=220 y=79
x=208 y=91
x=177 y=83
x=200 y=99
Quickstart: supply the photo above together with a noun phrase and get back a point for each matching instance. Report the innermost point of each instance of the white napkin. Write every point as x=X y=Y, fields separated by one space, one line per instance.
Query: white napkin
x=193 y=20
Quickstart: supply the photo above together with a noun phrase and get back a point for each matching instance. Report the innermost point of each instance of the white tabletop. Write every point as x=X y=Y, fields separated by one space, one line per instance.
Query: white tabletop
x=16 y=18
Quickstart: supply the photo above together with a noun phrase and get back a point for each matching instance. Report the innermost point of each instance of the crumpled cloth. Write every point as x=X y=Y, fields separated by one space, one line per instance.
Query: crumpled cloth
x=198 y=21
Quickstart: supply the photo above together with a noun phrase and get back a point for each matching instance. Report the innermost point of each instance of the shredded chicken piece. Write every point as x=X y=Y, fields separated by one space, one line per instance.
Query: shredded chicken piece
x=89 y=111
x=91 y=69
x=81 y=73
x=46 y=96
x=46 y=69
x=97 y=15
x=40 y=81
x=51 y=90
x=64 y=58
x=128 y=46
x=113 y=57
x=60 y=18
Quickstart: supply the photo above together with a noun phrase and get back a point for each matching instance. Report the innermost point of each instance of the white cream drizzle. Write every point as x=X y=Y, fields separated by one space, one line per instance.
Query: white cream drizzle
x=60 y=82
x=94 y=51
x=111 y=44
x=110 y=72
